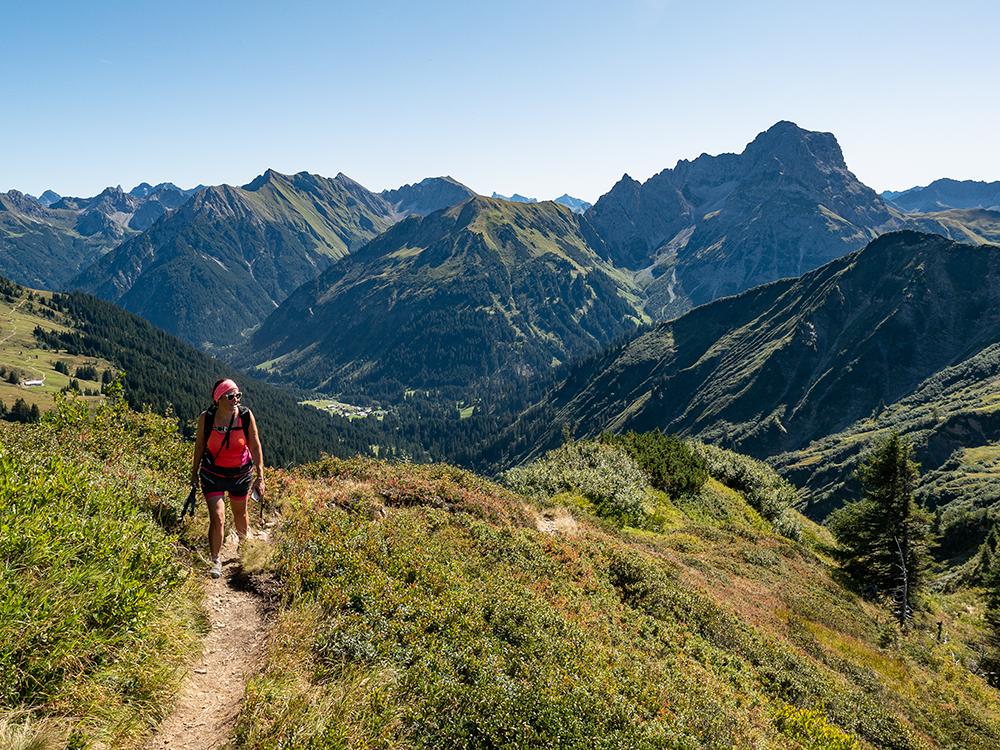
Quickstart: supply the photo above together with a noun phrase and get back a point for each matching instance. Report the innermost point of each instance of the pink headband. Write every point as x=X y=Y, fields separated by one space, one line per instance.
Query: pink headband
x=223 y=388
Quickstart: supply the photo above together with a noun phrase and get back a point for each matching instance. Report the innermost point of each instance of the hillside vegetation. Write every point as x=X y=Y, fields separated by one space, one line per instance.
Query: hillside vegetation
x=98 y=611
x=64 y=339
x=424 y=606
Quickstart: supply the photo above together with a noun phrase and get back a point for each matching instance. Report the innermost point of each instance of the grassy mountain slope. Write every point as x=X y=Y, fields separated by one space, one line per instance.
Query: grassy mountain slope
x=222 y=262
x=951 y=418
x=463 y=618
x=484 y=290
x=777 y=367
x=422 y=606
x=162 y=372
x=975 y=226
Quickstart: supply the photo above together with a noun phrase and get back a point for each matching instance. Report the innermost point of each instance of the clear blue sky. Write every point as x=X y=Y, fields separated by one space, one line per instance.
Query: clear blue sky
x=533 y=97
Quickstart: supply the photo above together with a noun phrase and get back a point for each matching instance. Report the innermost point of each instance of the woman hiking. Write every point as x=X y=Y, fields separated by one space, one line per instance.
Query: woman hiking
x=227 y=458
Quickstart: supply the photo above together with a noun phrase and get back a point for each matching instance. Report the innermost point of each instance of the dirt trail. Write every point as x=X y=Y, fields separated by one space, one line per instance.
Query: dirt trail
x=10 y=319
x=212 y=693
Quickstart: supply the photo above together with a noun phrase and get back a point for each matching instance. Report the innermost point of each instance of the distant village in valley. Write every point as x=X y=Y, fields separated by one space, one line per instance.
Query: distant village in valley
x=347 y=410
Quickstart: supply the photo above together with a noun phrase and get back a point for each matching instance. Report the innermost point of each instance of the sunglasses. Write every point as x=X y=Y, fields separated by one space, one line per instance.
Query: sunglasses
x=234 y=396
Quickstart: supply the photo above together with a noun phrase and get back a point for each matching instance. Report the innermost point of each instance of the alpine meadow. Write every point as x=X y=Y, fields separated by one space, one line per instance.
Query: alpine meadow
x=711 y=463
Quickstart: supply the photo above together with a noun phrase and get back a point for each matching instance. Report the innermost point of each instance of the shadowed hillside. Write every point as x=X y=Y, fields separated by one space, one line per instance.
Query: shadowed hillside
x=777 y=367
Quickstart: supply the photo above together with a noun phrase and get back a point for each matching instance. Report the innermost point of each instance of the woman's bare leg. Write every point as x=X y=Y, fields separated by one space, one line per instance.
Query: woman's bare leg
x=240 y=517
x=216 y=524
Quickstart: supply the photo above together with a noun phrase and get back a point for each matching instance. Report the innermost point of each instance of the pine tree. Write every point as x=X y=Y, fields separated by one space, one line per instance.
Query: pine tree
x=868 y=530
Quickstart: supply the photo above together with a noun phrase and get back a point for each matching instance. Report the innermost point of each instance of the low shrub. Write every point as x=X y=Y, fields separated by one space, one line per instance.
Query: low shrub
x=603 y=474
x=95 y=615
x=671 y=464
x=765 y=491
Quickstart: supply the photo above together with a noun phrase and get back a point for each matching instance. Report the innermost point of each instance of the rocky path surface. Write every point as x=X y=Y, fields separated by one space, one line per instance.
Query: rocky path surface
x=212 y=693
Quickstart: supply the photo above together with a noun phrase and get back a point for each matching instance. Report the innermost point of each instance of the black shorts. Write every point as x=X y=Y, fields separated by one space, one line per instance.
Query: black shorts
x=237 y=486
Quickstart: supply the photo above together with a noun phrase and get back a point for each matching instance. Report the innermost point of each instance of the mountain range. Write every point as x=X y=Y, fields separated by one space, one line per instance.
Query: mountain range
x=577 y=205
x=44 y=243
x=326 y=285
x=226 y=258
x=785 y=206
x=704 y=229
x=945 y=194
x=483 y=290
x=891 y=333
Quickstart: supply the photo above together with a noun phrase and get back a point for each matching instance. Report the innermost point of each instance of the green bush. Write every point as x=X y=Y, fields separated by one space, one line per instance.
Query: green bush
x=605 y=475
x=671 y=464
x=765 y=491
x=94 y=617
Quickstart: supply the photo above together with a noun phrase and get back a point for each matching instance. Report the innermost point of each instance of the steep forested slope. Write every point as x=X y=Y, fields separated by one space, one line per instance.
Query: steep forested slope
x=479 y=294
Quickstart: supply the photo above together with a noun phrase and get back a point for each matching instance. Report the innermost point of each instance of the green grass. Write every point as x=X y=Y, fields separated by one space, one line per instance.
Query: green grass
x=97 y=614
x=422 y=608
x=19 y=351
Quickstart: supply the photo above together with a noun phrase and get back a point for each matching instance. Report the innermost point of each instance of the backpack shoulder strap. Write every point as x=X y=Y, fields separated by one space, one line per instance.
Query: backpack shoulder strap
x=209 y=421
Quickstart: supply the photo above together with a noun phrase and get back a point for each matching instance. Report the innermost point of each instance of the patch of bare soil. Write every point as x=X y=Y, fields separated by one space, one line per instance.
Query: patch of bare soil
x=211 y=696
x=555 y=521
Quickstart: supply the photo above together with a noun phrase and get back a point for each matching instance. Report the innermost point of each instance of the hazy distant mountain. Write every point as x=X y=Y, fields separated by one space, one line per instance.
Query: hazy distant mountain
x=221 y=262
x=515 y=198
x=144 y=190
x=782 y=365
x=577 y=205
x=484 y=290
x=719 y=225
x=427 y=196
x=114 y=209
x=944 y=194
x=47 y=198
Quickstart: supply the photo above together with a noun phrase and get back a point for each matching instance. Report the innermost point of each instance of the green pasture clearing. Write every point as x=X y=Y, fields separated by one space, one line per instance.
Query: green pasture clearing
x=19 y=352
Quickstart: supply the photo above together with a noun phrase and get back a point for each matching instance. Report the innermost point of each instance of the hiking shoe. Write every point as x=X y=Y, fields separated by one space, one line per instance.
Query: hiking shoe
x=216 y=571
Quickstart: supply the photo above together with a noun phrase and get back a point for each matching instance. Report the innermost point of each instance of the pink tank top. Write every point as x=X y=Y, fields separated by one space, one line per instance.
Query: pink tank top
x=236 y=453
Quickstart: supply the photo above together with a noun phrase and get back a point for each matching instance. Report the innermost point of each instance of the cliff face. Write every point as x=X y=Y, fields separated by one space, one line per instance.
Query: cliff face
x=719 y=225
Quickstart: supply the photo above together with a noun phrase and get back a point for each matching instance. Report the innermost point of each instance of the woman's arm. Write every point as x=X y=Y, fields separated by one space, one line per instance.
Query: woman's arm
x=253 y=443
x=199 y=450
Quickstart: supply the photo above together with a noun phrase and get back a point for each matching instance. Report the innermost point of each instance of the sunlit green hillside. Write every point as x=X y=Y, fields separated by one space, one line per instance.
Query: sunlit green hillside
x=428 y=608
x=424 y=606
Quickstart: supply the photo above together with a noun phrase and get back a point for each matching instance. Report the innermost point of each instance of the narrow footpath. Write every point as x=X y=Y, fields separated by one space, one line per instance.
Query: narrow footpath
x=212 y=693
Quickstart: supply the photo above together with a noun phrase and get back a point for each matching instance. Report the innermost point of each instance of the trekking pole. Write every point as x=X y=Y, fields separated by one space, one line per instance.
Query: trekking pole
x=190 y=503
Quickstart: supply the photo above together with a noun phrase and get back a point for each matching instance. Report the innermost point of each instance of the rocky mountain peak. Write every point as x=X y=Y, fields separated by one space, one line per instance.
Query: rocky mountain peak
x=22 y=204
x=260 y=181
x=427 y=196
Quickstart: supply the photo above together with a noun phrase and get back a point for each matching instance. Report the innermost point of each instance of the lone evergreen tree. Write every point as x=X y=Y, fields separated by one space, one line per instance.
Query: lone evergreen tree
x=868 y=530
